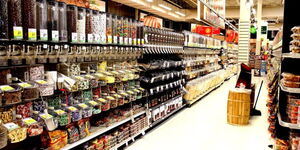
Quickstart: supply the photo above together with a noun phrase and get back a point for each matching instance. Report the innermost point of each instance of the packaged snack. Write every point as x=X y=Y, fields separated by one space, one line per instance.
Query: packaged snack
x=33 y=127
x=86 y=110
x=290 y=77
x=105 y=104
x=73 y=133
x=15 y=132
x=45 y=88
x=54 y=140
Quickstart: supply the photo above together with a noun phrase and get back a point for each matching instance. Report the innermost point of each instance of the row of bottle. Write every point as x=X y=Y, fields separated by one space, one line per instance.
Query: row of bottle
x=49 y=20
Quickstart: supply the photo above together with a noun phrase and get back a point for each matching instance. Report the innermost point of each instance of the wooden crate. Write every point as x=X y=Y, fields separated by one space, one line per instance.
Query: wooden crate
x=238 y=106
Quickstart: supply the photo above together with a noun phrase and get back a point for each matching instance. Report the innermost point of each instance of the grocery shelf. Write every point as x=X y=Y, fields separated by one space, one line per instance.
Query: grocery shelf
x=287 y=124
x=131 y=138
x=290 y=90
x=154 y=107
x=96 y=131
x=202 y=95
x=291 y=55
x=165 y=117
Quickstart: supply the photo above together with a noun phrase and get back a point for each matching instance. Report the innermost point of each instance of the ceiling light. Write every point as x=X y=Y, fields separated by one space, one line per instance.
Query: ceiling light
x=158 y=9
x=139 y=2
x=149 y=1
x=165 y=7
x=179 y=13
x=174 y=15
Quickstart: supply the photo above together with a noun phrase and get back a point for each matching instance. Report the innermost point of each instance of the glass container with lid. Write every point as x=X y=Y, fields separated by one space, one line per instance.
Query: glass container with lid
x=15 y=19
x=72 y=23
x=120 y=30
x=96 y=26
x=12 y=94
x=109 y=28
x=30 y=91
x=126 y=30
x=42 y=32
x=114 y=29
x=89 y=26
x=3 y=20
x=62 y=22
x=29 y=19
x=53 y=21
x=81 y=17
x=103 y=27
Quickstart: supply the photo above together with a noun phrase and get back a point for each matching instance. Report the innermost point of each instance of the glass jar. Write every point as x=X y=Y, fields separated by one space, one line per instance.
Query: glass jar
x=103 y=28
x=105 y=104
x=96 y=24
x=75 y=113
x=114 y=29
x=72 y=23
x=29 y=19
x=30 y=91
x=120 y=30
x=134 y=32
x=42 y=32
x=126 y=31
x=15 y=20
x=109 y=28
x=53 y=21
x=4 y=20
x=89 y=26
x=81 y=17
x=12 y=94
x=62 y=22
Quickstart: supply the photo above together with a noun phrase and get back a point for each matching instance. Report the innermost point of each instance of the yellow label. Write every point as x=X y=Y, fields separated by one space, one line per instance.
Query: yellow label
x=46 y=116
x=117 y=95
x=25 y=85
x=32 y=34
x=18 y=32
x=130 y=92
x=124 y=94
x=110 y=98
x=6 y=88
x=79 y=78
x=115 y=72
x=89 y=76
x=41 y=81
x=141 y=89
x=136 y=90
x=72 y=108
x=102 y=66
x=93 y=103
x=83 y=106
x=29 y=121
x=59 y=111
x=102 y=100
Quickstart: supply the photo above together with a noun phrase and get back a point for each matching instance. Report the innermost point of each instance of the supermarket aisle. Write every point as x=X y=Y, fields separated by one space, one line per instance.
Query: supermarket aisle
x=204 y=127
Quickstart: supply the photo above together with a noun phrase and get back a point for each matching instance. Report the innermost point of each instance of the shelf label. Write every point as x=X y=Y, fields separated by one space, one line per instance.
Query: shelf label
x=82 y=38
x=55 y=36
x=32 y=34
x=44 y=34
x=6 y=88
x=29 y=121
x=93 y=103
x=97 y=38
x=82 y=105
x=24 y=85
x=90 y=38
x=46 y=116
x=74 y=37
x=59 y=111
x=72 y=108
x=18 y=32
x=115 y=40
x=41 y=81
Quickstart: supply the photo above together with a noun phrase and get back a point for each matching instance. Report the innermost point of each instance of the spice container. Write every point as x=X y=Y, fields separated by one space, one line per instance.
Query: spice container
x=105 y=104
x=80 y=25
x=86 y=110
x=62 y=22
x=53 y=20
x=15 y=19
x=30 y=91
x=89 y=26
x=72 y=23
x=12 y=94
x=15 y=132
x=109 y=29
x=45 y=88
x=41 y=20
x=49 y=121
x=29 y=19
x=7 y=114
x=75 y=113
x=4 y=21
x=33 y=127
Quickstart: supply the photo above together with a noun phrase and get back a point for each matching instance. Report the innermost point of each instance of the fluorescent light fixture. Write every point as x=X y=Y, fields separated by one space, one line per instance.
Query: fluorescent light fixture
x=179 y=13
x=139 y=2
x=149 y=1
x=174 y=15
x=158 y=9
x=165 y=7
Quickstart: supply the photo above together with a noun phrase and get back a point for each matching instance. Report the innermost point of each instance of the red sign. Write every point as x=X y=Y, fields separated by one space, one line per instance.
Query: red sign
x=216 y=30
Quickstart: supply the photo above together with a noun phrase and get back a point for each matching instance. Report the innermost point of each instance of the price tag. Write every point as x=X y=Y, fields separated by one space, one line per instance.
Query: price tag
x=90 y=38
x=74 y=37
x=44 y=34
x=32 y=34
x=56 y=47
x=93 y=103
x=157 y=89
x=46 y=116
x=59 y=111
x=41 y=81
x=151 y=91
x=89 y=76
x=110 y=98
x=84 y=106
x=115 y=40
x=79 y=78
x=55 y=36
x=18 y=33
x=103 y=39
x=82 y=38
x=167 y=86
x=134 y=41
x=24 y=85
x=45 y=46
x=29 y=121
x=142 y=41
x=72 y=108
x=66 y=46
x=139 y=41
x=172 y=75
x=97 y=38
x=11 y=126
x=109 y=39
x=121 y=40
x=6 y=88
x=130 y=41
x=126 y=40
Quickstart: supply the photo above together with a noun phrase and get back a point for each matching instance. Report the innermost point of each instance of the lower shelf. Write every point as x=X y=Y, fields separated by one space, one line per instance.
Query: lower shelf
x=166 y=116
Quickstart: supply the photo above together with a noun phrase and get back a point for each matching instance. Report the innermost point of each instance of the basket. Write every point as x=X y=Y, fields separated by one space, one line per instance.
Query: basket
x=238 y=107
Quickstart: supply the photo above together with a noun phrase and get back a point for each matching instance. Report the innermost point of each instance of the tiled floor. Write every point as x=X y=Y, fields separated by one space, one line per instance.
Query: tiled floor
x=204 y=127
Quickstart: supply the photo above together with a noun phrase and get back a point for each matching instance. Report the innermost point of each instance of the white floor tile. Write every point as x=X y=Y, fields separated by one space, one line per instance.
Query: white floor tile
x=204 y=127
